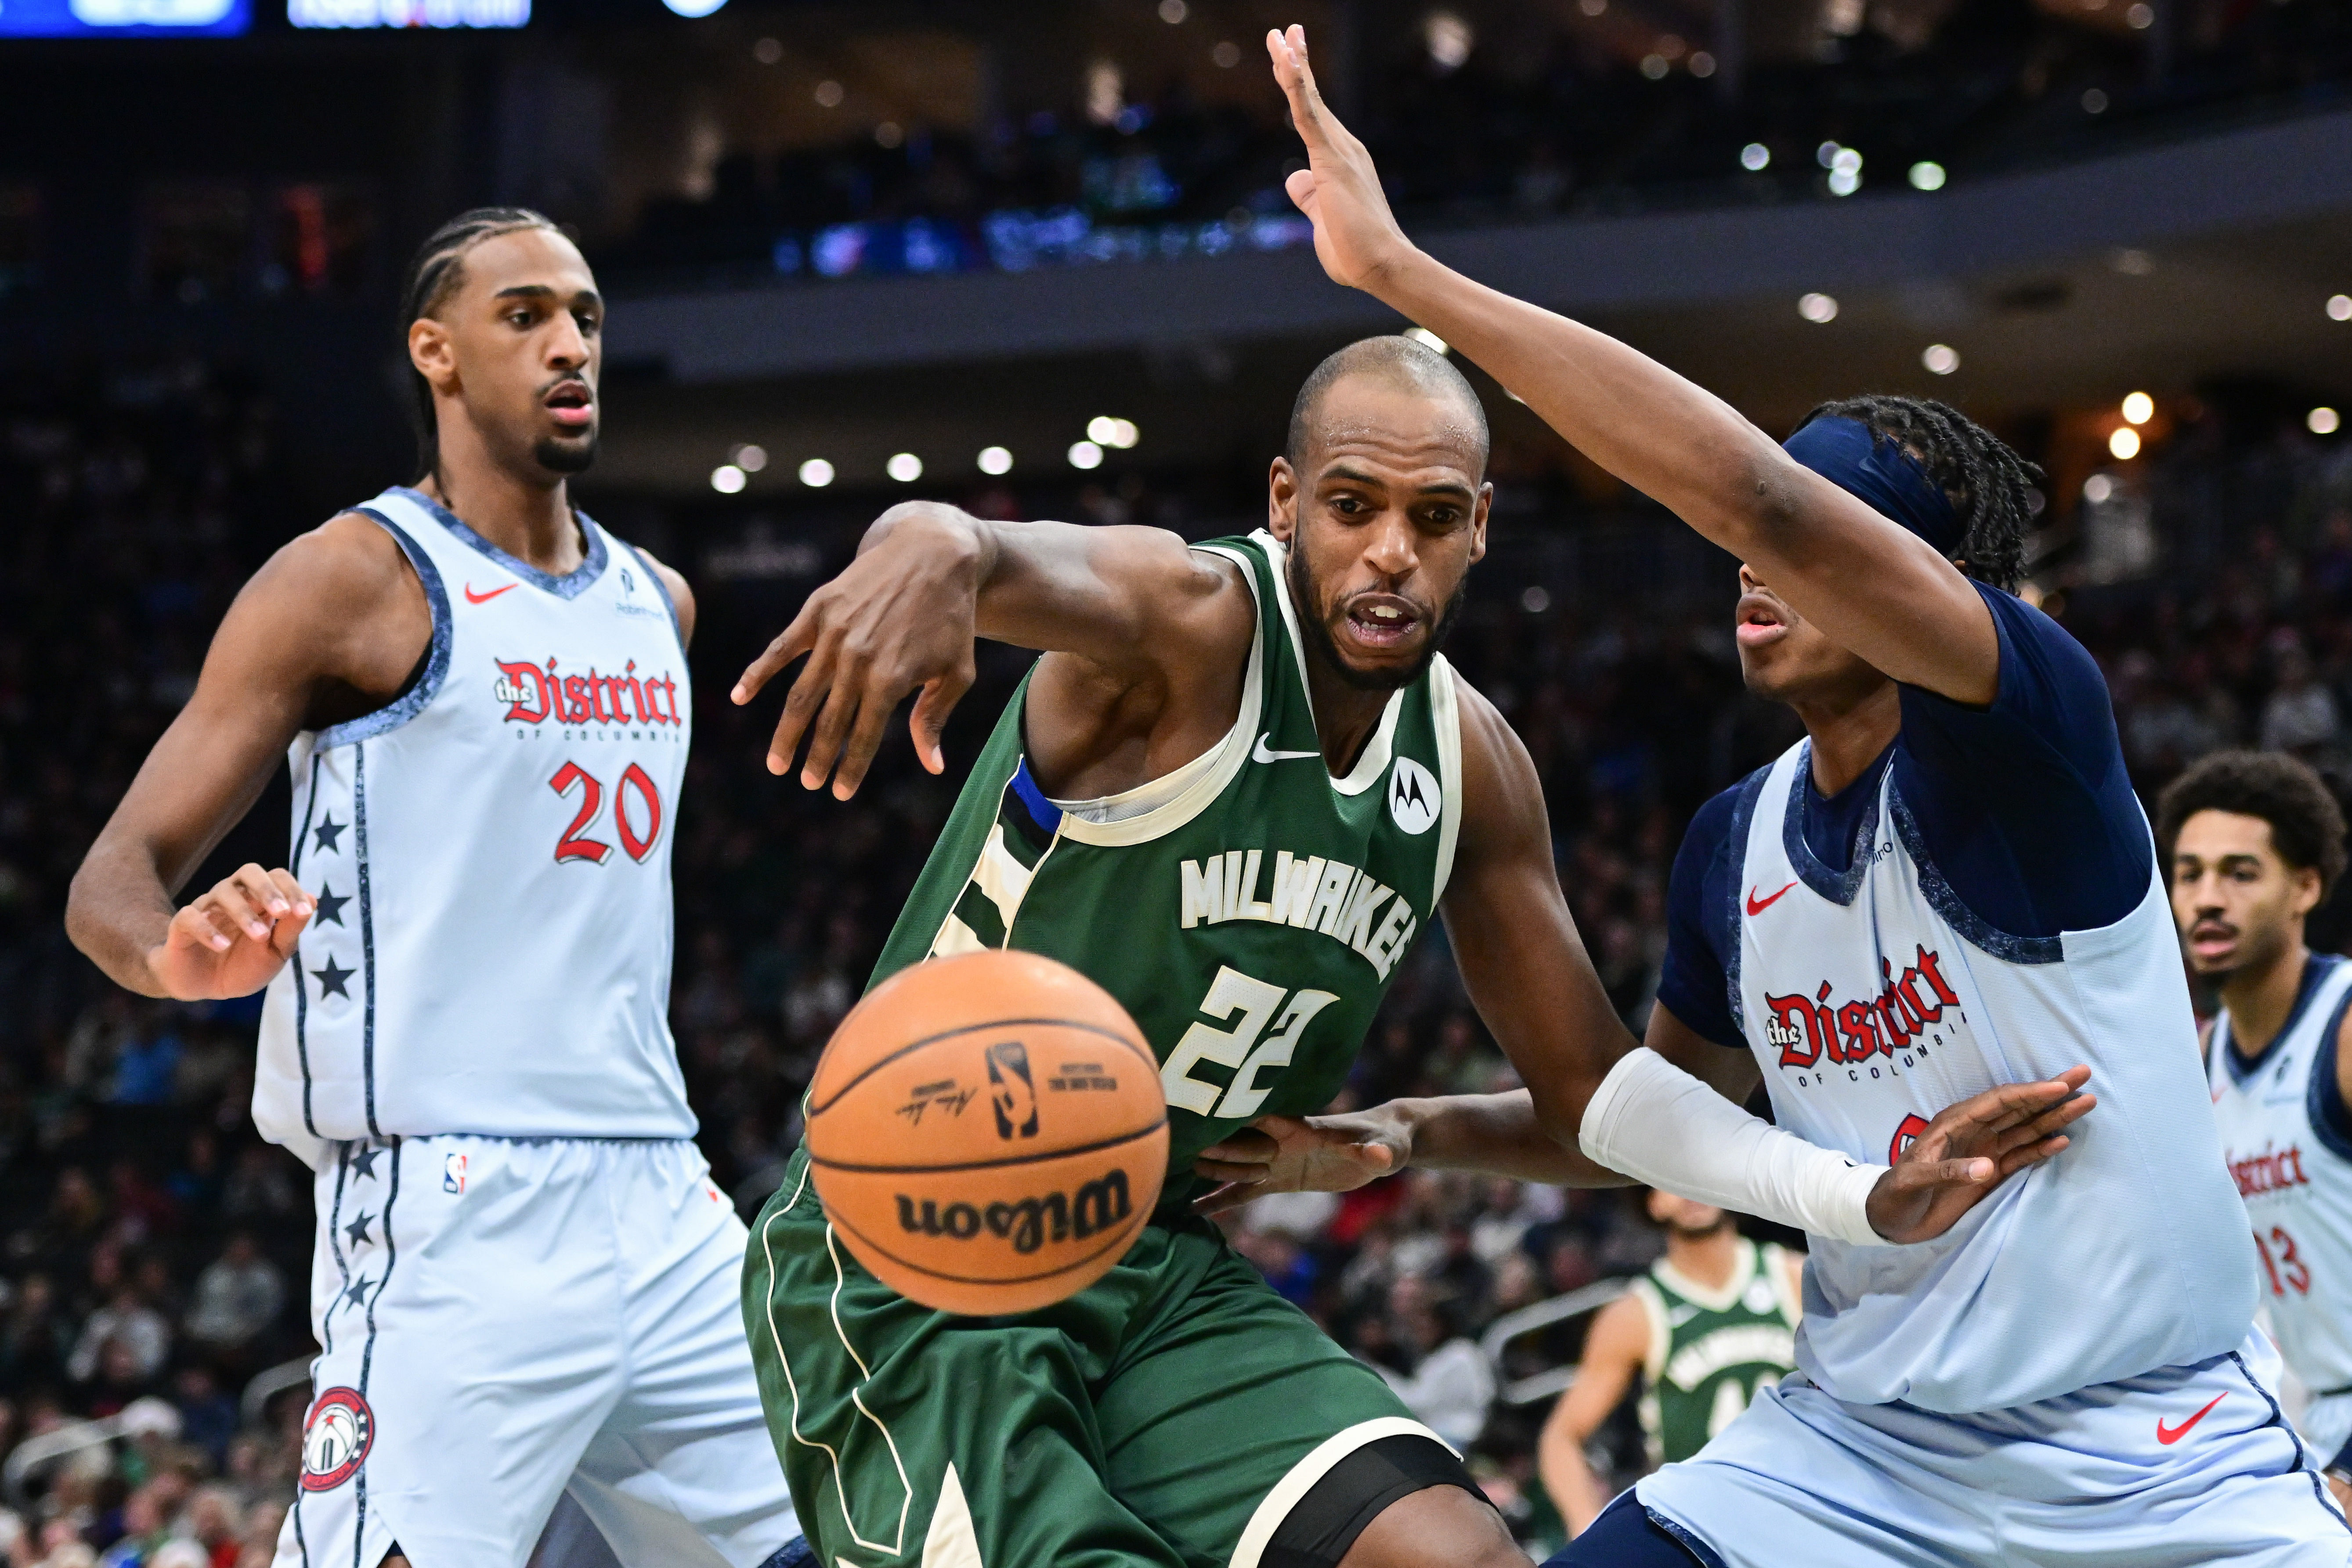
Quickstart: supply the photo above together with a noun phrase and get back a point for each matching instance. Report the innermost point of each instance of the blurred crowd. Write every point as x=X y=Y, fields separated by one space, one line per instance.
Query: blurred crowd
x=1596 y=111
x=153 y=1251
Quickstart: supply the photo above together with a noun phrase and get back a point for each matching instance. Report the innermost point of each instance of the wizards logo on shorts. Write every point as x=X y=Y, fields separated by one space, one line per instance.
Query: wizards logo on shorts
x=336 y=1440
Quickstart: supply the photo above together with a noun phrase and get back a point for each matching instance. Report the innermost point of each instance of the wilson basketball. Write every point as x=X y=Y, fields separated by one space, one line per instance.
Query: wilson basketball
x=987 y=1132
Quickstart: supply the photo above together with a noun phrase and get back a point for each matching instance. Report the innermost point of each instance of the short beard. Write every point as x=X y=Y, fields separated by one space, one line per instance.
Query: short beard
x=1304 y=598
x=1700 y=1233
x=558 y=456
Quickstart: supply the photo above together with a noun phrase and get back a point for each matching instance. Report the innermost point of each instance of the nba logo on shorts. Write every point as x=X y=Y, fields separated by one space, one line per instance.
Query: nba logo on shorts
x=453 y=1172
x=336 y=1438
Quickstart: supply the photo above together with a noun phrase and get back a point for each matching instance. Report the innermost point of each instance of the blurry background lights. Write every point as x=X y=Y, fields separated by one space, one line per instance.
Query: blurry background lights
x=1535 y=600
x=2322 y=421
x=1173 y=12
x=1755 y=157
x=816 y=473
x=2139 y=408
x=904 y=466
x=1449 y=38
x=1826 y=154
x=1845 y=172
x=1817 y=308
x=1085 y=455
x=995 y=460
x=1104 y=430
x=828 y=95
x=2098 y=489
x=1941 y=359
x=1926 y=175
x=2339 y=307
x=2124 y=442
x=694 y=7
x=749 y=457
x=727 y=478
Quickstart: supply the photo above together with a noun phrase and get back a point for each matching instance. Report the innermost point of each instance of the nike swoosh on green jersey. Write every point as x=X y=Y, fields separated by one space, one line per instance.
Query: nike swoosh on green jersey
x=1260 y=753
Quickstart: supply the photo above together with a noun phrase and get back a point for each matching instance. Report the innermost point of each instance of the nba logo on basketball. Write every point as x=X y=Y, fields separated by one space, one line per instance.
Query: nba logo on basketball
x=1010 y=1090
x=453 y=1172
x=336 y=1438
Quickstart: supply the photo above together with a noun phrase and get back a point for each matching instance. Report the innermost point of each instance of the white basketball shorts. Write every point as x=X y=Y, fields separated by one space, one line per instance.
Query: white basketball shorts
x=504 y=1321
x=2182 y=1467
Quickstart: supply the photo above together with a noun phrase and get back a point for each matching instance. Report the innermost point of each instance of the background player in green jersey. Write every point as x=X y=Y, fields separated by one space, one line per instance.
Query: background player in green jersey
x=1712 y=1322
x=1237 y=784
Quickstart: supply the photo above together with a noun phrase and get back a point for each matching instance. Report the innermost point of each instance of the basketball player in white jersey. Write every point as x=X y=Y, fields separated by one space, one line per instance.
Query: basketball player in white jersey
x=524 y=1281
x=1948 y=886
x=2253 y=841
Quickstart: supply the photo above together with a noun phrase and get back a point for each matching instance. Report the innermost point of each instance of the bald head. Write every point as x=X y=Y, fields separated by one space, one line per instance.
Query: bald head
x=1400 y=362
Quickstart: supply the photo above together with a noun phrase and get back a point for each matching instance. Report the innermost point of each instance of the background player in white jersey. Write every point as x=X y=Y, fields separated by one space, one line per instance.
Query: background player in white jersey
x=524 y=1282
x=1706 y=1326
x=2254 y=841
x=1949 y=885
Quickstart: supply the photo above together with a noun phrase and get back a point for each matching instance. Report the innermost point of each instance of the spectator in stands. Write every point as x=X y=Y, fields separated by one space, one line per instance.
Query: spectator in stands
x=35 y=1338
x=238 y=1295
x=138 y=1336
x=1449 y=1386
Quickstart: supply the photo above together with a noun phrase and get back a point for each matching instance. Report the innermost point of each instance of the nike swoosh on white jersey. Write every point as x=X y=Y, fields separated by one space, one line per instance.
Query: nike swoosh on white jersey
x=1259 y=754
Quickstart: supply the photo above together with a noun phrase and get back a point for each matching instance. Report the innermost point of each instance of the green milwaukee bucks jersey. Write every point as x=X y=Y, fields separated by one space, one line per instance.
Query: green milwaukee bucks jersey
x=1248 y=910
x=1710 y=1350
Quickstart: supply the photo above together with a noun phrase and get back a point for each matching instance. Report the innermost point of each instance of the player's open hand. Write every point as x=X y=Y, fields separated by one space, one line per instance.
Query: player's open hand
x=900 y=619
x=1973 y=1147
x=1302 y=1154
x=233 y=938
x=1355 y=237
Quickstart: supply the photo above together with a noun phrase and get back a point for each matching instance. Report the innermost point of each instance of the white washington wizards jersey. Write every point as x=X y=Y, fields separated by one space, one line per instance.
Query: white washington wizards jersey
x=490 y=856
x=1873 y=999
x=2294 y=1171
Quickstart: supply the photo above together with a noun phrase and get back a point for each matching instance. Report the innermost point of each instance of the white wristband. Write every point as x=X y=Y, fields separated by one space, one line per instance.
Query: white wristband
x=1657 y=1124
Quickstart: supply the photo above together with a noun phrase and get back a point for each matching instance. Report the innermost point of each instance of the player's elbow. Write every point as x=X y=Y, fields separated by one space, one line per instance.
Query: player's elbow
x=1766 y=513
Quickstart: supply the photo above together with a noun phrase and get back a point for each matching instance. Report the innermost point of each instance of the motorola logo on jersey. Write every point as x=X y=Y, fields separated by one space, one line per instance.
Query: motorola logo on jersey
x=1413 y=796
x=536 y=696
x=1808 y=1029
x=1029 y=1224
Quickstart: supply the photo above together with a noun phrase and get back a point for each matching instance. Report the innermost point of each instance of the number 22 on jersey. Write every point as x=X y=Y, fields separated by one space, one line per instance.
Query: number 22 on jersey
x=1247 y=1005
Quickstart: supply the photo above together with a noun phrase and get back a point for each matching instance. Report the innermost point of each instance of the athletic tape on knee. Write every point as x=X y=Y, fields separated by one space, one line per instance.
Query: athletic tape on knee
x=1657 y=1124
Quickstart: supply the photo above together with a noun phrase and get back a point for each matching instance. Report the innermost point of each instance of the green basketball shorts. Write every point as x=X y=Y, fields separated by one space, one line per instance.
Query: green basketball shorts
x=1171 y=1414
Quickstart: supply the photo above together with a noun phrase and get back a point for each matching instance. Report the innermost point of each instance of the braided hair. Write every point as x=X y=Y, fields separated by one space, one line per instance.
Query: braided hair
x=435 y=272
x=1988 y=485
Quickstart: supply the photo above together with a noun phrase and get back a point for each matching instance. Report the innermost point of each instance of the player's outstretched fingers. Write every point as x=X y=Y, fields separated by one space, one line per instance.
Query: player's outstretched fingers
x=791 y=643
x=809 y=688
x=928 y=722
x=1227 y=1198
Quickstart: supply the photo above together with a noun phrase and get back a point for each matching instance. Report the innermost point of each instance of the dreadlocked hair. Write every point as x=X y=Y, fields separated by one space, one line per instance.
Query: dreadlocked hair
x=436 y=271
x=1990 y=485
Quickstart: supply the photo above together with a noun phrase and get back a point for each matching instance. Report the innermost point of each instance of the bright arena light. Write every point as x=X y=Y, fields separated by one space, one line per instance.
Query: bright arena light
x=2124 y=442
x=694 y=7
x=727 y=478
x=2322 y=421
x=904 y=466
x=1756 y=157
x=1817 y=308
x=1844 y=182
x=2339 y=307
x=749 y=457
x=2139 y=408
x=816 y=473
x=1085 y=455
x=995 y=460
x=1427 y=339
x=1941 y=359
x=2098 y=489
x=1926 y=175
x=1106 y=431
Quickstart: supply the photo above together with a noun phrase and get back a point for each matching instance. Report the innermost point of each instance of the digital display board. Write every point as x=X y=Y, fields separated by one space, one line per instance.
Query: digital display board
x=123 y=19
x=405 y=13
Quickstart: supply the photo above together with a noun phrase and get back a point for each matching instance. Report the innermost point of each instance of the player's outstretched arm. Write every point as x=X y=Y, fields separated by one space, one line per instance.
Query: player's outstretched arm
x=335 y=617
x=1613 y=1349
x=1881 y=592
x=1133 y=607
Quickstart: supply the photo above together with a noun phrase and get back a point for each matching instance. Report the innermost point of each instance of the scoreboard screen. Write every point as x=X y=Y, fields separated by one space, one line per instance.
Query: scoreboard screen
x=123 y=19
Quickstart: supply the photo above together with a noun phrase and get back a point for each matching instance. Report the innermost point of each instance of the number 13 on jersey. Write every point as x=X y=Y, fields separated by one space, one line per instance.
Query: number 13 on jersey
x=1247 y=1005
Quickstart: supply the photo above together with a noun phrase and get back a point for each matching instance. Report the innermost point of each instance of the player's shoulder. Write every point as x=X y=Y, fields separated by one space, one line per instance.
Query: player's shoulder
x=2045 y=652
x=345 y=563
x=1711 y=824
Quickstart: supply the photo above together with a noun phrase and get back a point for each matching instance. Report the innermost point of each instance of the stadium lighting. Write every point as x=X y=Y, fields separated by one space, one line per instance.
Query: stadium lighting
x=1105 y=431
x=904 y=466
x=2139 y=408
x=2098 y=489
x=816 y=473
x=1085 y=455
x=1535 y=600
x=1818 y=309
x=2339 y=307
x=1449 y=40
x=1756 y=157
x=2094 y=102
x=1702 y=63
x=750 y=458
x=2141 y=17
x=727 y=479
x=1227 y=55
x=768 y=51
x=2124 y=442
x=1826 y=154
x=2322 y=421
x=694 y=7
x=1941 y=359
x=1592 y=8
x=1655 y=66
x=1427 y=339
x=995 y=460
x=1926 y=175
x=1173 y=12
x=828 y=95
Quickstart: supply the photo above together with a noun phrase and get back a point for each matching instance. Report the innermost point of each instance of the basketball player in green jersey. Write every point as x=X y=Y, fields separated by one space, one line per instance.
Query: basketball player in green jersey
x=1712 y=1322
x=1238 y=784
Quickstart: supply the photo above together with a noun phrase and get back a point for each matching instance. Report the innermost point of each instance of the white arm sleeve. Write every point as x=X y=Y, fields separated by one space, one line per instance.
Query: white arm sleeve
x=1656 y=1123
